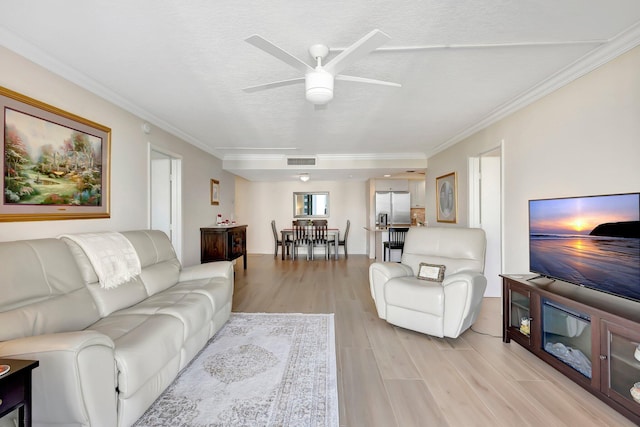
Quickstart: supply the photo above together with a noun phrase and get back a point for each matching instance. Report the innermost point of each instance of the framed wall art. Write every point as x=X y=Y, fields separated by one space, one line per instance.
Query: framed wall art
x=55 y=164
x=215 y=192
x=447 y=198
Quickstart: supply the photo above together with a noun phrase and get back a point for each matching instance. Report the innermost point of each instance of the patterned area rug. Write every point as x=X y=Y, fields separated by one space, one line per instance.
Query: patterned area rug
x=258 y=370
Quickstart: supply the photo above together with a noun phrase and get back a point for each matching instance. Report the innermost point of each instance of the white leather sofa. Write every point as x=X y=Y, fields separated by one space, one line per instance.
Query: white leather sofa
x=443 y=309
x=105 y=354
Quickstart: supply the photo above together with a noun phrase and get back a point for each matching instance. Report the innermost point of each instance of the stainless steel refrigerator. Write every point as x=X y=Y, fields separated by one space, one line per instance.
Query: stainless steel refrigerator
x=396 y=205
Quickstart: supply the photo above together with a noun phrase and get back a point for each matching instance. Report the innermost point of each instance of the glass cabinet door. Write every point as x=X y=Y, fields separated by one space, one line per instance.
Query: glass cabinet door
x=520 y=318
x=621 y=365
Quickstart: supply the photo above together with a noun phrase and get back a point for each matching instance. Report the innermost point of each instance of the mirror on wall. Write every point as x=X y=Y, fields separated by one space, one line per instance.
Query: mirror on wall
x=311 y=205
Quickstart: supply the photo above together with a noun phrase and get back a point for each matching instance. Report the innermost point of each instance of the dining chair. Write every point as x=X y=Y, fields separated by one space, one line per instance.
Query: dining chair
x=320 y=237
x=278 y=242
x=301 y=238
x=396 y=241
x=343 y=242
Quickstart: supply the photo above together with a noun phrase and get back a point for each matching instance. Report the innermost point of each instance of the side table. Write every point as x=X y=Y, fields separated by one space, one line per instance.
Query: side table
x=15 y=389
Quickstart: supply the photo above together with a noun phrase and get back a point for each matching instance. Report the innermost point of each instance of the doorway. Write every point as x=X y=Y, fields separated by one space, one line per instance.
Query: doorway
x=164 y=195
x=485 y=211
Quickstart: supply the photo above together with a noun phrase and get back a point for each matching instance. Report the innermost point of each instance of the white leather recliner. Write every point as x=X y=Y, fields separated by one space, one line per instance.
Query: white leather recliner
x=442 y=309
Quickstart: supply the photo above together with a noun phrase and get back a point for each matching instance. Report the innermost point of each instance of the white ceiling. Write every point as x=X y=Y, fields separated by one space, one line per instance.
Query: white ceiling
x=181 y=66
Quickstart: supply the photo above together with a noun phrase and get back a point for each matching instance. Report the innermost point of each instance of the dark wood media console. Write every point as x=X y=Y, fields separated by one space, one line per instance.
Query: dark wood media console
x=590 y=336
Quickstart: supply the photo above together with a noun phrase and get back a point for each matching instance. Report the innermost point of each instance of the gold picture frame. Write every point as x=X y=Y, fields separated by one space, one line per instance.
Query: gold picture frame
x=56 y=165
x=215 y=192
x=447 y=198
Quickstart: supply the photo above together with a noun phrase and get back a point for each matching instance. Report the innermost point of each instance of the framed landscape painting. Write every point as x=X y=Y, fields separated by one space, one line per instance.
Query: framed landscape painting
x=55 y=164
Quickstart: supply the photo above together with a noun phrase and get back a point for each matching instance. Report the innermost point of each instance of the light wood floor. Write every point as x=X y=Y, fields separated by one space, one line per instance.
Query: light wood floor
x=388 y=376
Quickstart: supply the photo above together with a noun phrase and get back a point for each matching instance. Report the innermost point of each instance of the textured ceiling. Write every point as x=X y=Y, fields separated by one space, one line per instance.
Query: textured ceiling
x=182 y=66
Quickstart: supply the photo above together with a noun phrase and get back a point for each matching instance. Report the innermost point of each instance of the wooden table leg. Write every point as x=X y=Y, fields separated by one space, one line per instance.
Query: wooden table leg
x=283 y=245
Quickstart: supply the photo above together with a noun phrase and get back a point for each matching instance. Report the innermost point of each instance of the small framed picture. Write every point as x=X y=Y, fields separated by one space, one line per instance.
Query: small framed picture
x=447 y=198
x=431 y=272
x=215 y=192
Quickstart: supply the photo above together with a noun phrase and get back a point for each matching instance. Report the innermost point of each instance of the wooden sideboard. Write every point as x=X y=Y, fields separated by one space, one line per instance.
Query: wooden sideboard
x=223 y=243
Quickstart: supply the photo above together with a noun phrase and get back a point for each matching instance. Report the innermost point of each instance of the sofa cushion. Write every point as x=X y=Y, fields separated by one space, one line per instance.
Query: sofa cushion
x=43 y=291
x=110 y=299
x=160 y=267
x=413 y=294
x=144 y=346
x=216 y=289
x=192 y=309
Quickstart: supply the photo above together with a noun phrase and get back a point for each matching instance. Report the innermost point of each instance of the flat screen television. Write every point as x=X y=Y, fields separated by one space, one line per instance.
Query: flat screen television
x=591 y=241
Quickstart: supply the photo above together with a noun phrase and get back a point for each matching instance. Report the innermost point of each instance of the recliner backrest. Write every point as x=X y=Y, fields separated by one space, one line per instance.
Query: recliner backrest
x=160 y=270
x=41 y=290
x=459 y=249
x=160 y=266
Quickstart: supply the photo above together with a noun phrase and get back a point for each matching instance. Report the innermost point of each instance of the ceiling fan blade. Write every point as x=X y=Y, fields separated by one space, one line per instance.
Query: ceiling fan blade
x=356 y=51
x=274 y=85
x=364 y=80
x=284 y=56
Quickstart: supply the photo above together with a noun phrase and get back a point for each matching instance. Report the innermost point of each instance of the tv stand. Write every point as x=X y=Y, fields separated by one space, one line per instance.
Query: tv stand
x=600 y=331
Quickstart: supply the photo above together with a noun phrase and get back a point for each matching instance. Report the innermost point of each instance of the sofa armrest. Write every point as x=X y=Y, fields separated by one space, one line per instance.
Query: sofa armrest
x=463 y=297
x=379 y=274
x=207 y=270
x=75 y=383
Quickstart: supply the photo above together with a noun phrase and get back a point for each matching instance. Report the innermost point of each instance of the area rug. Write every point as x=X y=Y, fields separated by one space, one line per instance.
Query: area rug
x=258 y=370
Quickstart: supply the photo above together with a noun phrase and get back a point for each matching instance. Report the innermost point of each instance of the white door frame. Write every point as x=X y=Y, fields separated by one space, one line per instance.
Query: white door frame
x=176 y=196
x=475 y=214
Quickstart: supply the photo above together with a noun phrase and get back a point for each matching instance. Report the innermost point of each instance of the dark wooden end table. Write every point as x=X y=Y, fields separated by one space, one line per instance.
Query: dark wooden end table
x=15 y=389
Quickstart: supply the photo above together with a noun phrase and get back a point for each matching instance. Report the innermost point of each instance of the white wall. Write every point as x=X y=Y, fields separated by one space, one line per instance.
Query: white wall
x=129 y=162
x=583 y=139
x=257 y=203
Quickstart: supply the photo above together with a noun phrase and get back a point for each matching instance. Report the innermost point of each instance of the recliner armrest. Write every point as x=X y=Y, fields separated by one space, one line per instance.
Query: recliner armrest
x=389 y=270
x=207 y=270
x=75 y=383
x=379 y=274
x=465 y=276
x=463 y=297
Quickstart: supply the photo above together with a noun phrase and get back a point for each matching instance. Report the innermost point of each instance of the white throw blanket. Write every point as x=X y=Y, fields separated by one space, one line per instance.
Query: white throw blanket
x=112 y=255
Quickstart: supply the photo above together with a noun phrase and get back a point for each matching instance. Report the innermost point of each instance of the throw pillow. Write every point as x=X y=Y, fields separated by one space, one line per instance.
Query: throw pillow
x=432 y=272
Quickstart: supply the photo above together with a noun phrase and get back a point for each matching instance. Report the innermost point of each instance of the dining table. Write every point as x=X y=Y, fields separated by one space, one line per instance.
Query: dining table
x=331 y=232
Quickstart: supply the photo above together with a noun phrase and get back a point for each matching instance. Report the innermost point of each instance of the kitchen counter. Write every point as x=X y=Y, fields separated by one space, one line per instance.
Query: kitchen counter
x=386 y=228
x=382 y=235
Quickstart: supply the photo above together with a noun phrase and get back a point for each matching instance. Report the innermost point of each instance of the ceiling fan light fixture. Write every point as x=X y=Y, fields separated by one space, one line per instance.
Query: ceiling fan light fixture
x=304 y=177
x=319 y=87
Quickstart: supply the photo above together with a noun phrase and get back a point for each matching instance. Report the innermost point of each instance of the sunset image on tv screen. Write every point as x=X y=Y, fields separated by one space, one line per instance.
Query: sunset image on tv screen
x=592 y=241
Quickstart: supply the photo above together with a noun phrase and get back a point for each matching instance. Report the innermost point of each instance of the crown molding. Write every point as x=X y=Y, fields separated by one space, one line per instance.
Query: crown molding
x=342 y=157
x=613 y=48
x=374 y=156
x=609 y=50
x=43 y=59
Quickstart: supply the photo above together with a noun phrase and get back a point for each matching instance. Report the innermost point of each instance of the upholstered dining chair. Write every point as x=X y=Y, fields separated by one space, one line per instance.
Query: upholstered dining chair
x=343 y=242
x=278 y=242
x=396 y=241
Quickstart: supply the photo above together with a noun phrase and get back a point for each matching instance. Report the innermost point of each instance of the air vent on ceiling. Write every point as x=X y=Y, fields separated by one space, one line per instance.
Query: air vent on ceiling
x=301 y=161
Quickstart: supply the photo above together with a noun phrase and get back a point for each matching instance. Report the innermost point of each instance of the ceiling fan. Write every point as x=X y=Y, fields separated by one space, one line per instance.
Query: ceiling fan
x=319 y=80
